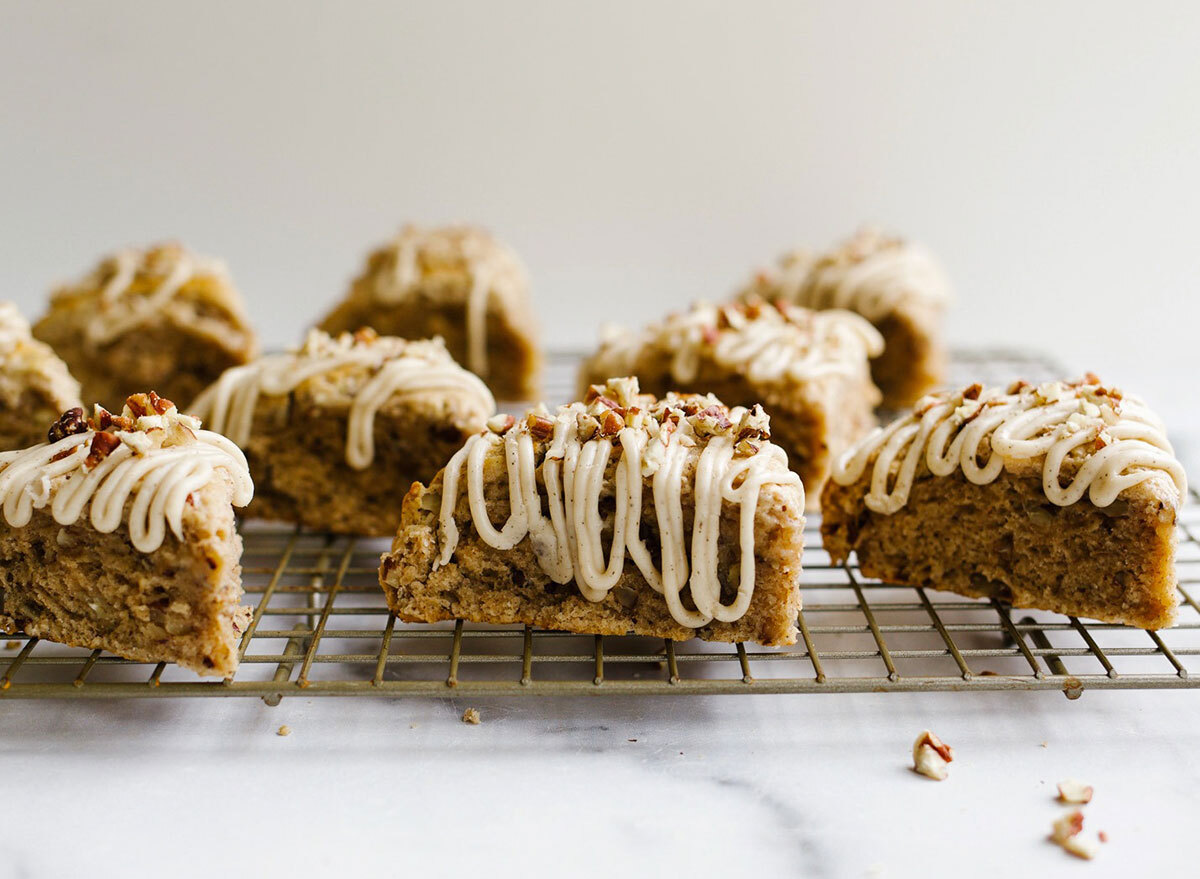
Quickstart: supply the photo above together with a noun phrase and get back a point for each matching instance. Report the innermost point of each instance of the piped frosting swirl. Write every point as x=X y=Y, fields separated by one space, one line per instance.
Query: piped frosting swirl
x=872 y=274
x=727 y=453
x=151 y=453
x=1084 y=437
x=375 y=369
x=766 y=342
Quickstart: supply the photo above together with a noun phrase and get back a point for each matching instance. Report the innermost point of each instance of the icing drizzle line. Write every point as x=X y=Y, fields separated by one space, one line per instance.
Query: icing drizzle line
x=1116 y=441
x=398 y=367
x=66 y=476
x=488 y=262
x=766 y=342
x=656 y=444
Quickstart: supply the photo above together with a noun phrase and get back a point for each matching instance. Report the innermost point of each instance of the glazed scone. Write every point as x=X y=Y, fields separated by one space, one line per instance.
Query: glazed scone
x=118 y=534
x=457 y=282
x=897 y=286
x=338 y=431
x=1061 y=497
x=35 y=385
x=160 y=317
x=622 y=514
x=808 y=369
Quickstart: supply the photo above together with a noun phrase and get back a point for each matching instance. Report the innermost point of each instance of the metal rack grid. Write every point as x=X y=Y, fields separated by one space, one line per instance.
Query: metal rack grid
x=321 y=627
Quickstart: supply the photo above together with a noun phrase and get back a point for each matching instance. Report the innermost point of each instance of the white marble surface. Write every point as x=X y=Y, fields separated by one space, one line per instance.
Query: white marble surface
x=813 y=786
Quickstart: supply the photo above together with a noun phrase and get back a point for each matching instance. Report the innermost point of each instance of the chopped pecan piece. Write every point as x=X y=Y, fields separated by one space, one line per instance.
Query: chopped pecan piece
x=103 y=444
x=69 y=423
x=612 y=424
x=540 y=428
x=365 y=335
x=102 y=419
x=931 y=756
x=973 y=392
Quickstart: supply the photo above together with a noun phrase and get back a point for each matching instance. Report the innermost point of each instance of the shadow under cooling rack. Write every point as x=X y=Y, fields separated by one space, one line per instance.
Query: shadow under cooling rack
x=321 y=627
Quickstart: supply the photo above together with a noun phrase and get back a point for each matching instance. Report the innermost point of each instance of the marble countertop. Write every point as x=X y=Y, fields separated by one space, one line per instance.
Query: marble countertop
x=801 y=785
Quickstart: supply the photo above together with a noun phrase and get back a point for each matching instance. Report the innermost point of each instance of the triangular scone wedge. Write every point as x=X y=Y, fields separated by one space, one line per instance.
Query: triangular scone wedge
x=1062 y=497
x=808 y=369
x=35 y=385
x=158 y=317
x=621 y=514
x=457 y=282
x=898 y=286
x=119 y=534
x=337 y=431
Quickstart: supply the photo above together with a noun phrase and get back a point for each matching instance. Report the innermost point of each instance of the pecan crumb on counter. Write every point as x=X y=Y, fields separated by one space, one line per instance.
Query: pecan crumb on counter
x=931 y=756
x=284 y=730
x=471 y=716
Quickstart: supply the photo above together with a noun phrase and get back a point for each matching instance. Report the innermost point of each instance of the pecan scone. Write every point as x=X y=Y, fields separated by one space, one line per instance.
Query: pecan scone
x=618 y=514
x=1062 y=497
x=337 y=431
x=457 y=282
x=808 y=369
x=897 y=286
x=160 y=317
x=118 y=533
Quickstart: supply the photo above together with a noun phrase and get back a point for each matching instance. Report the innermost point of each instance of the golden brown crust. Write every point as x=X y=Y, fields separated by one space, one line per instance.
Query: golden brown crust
x=35 y=385
x=1005 y=540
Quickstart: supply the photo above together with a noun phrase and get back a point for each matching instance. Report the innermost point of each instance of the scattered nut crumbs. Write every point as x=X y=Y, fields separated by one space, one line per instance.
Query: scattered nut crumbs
x=1075 y=792
x=11 y=645
x=284 y=730
x=471 y=716
x=1066 y=833
x=931 y=756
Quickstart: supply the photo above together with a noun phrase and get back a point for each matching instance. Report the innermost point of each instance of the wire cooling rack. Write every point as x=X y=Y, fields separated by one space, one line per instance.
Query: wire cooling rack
x=321 y=627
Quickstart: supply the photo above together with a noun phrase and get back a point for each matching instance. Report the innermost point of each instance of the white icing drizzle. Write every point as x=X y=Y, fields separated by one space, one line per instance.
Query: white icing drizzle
x=174 y=266
x=1113 y=442
x=397 y=368
x=159 y=478
x=491 y=265
x=870 y=274
x=567 y=541
x=766 y=343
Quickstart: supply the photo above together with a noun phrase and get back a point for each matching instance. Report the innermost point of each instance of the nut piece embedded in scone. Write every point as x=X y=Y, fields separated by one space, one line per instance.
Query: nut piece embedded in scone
x=701 y=537
x=337 y=431
x=1062 y=497
x=457 y=282
x=160 y=317
x=118 y=534
x=897 y=286
x=809 y=370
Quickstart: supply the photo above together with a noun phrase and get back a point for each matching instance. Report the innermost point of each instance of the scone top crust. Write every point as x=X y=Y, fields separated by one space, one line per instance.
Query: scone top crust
x=30 y=364
x=872 y=273
x=361 y=373
x=621 y=444
x=151 y=454
x=1081 y=437
x=138 y=287
x=767 y=342
x=459 y=263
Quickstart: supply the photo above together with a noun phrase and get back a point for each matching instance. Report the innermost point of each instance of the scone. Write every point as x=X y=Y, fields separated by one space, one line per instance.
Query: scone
x=160 y=317
x=897 y=286
x=621 y=514
x=1061 y=497
x=35 y=385
x=808 y=369
x=457 y=282
x=338 y=431
x=119 y=534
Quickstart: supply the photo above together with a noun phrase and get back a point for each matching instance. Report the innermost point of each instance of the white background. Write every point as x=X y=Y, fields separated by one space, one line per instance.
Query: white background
x=638 y=156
